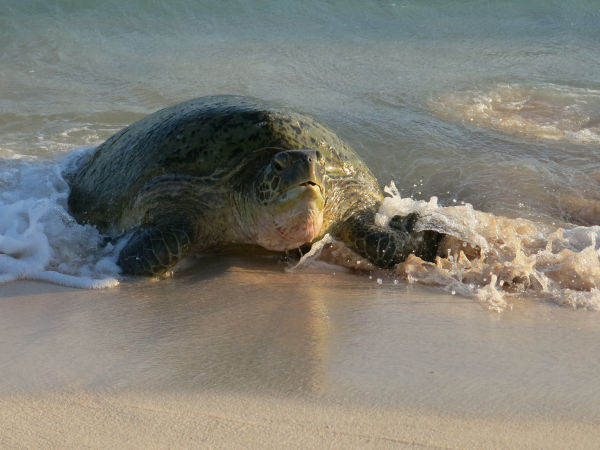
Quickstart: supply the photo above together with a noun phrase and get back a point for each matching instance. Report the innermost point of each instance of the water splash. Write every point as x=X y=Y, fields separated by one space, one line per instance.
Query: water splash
x=494 y=259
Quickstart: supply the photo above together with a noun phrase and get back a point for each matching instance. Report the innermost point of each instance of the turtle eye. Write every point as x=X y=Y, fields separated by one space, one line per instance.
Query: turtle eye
x=278 y=164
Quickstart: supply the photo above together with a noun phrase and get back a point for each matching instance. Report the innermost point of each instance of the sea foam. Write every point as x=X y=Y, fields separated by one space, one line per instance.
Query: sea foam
x=39 y=240
x=496 y=260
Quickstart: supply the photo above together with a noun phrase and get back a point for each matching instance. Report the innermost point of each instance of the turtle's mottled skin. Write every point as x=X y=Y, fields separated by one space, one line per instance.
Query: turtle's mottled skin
x=219 y=171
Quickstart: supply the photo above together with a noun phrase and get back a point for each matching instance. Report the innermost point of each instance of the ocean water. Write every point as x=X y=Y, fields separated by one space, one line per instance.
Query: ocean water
x=482 y=116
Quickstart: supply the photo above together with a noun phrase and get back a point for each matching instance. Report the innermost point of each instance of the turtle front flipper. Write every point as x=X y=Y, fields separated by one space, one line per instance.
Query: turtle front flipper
x=153 y=250
x=387 y=246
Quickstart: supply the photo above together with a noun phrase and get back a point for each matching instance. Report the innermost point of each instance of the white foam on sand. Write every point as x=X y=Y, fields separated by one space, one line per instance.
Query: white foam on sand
x=39 y=240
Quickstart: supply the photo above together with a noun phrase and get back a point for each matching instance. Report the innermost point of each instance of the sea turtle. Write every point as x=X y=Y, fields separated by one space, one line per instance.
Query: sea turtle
x=218 y=171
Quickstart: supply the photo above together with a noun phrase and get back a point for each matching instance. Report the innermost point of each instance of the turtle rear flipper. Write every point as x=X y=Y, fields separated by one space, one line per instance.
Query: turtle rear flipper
x=387 y=246
x=153 y=250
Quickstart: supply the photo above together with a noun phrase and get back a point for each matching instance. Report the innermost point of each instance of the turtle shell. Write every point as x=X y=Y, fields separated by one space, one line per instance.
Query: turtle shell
x=209 y=139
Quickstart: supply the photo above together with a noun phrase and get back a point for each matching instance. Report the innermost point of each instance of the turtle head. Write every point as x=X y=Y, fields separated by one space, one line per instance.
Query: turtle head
x=291 y=194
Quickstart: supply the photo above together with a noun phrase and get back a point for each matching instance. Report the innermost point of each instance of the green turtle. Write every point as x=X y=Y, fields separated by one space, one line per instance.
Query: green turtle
x=221 y=171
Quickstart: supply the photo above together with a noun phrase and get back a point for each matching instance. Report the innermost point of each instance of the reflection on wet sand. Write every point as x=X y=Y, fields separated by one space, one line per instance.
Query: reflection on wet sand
x=243 y=326
x=227 y=328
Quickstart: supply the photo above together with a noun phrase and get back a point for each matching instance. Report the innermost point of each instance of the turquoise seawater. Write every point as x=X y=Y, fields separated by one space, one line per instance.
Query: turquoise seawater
x=496 y=104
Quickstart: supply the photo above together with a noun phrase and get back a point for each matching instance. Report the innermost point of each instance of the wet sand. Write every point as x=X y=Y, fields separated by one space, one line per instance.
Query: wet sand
x=238 y=353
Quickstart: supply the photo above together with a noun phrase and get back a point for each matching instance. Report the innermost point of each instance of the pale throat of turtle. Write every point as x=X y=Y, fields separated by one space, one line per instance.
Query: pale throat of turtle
x=293 y=218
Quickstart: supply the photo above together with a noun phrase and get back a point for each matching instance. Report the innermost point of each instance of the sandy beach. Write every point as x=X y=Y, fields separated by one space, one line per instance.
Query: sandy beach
x=236 y=353
x=128 y=420
x=485 y=116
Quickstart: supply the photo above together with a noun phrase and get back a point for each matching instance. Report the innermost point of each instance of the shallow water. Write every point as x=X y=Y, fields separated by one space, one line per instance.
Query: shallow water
x=494 y=105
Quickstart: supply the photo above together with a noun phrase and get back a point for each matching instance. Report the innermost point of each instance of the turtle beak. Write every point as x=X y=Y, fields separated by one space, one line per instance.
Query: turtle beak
x=315 y=184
